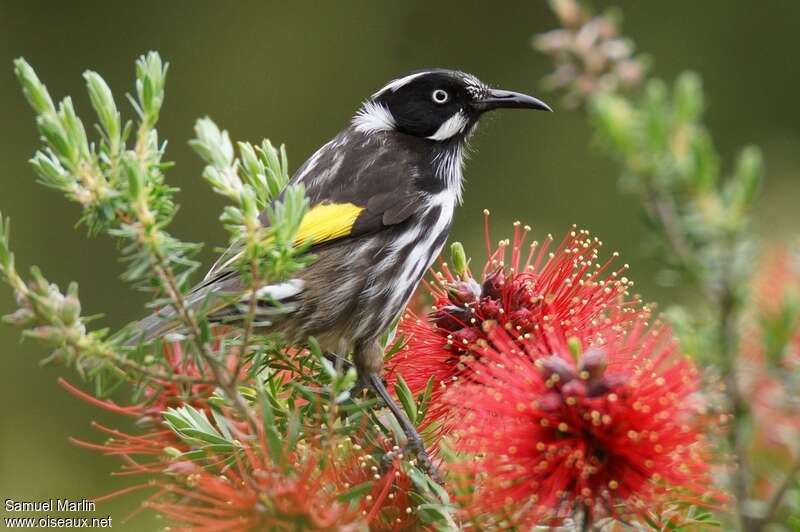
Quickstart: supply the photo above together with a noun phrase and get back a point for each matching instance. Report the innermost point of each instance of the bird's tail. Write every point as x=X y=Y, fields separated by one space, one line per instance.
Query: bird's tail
x=154 y=326
x=221 y=306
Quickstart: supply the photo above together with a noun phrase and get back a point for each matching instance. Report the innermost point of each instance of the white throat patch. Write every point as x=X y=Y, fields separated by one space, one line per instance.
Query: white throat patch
x=452 y=126
x=373 y=117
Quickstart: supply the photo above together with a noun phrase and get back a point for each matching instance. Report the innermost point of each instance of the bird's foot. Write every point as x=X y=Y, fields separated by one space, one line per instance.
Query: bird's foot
x=415 y=447
x=419 y=458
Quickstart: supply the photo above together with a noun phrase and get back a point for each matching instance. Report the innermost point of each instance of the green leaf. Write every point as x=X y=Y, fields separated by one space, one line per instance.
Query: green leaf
x=356 y=492
x=424 y=399
x=194 y=428
x=273 y=437
x=688 y=97
x=748 y=177
x=615 y=120
x=656 y=115
x=406 y=398
x=705 y=170
x=34 y=90
x=103 y=104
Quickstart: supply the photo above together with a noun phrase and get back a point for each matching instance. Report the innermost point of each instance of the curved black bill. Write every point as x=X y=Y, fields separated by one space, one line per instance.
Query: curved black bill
x=500 y=99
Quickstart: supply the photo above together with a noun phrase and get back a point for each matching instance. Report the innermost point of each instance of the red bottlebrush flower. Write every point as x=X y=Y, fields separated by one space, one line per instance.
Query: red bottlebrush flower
x=610 y=432
x=389 y=505
x=245 y=489
x=567 y=288
x=309 y=492
x=255 y=495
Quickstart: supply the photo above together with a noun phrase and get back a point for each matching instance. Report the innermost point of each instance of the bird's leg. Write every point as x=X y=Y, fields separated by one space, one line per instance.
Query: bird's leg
x=414 y=441
x=341 y=363
x=369 y=363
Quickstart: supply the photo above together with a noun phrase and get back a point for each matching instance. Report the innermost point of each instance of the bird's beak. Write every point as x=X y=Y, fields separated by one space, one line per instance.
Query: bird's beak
x=498 y=99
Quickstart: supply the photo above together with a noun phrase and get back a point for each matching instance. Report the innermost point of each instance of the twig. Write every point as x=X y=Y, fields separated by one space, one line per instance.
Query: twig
x=248 y=322
x=663 y=209
x=98 y=349
x=145 y=226
x=724 y=296
x=777 y=498
x=229 y=386
x=125 y=362
x=728 y=338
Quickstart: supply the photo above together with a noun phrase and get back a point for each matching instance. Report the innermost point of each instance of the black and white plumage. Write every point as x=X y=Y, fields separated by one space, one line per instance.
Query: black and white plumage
x=389 y=184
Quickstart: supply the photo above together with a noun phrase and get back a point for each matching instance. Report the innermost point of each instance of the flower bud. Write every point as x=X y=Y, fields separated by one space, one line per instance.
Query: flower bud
x=493 y=285
x=464 y=292
x=450 y=318
x=465 y=337
x=71 y=305
x=459 y=259
x=554 y=365
x=47 y=333
x=605 y=385
x=522 y=318
x=594 y=363
x=550 y=402
x=491 y=308
x=21 y=318
x=574 y=388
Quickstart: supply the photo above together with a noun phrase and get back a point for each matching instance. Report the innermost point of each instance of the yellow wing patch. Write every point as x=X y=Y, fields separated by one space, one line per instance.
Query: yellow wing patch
x=322 y=223
x=327 y=221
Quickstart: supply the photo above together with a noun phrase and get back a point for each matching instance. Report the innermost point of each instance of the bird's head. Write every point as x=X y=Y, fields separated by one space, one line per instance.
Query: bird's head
x=437 y=104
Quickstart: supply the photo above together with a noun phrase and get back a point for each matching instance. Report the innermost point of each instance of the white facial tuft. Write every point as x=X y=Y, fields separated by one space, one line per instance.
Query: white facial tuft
x=373 y=117
x=452 y=126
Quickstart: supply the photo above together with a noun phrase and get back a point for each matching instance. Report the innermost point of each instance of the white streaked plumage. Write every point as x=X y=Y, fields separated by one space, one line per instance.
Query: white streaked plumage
x=278 y=293
x=449 y=167
x=421 y=257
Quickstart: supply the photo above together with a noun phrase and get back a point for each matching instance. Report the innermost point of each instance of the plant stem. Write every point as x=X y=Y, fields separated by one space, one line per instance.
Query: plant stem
x=728 y=340
x=124 y=362
x=722 y=292
x=777 y=498
x=248 y=322
x=146 y=229
x=229 y=386
x=92 y=347
x=662 y=208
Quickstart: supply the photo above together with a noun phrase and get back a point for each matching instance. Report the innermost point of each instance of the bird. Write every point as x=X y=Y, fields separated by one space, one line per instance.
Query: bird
x=381 y=195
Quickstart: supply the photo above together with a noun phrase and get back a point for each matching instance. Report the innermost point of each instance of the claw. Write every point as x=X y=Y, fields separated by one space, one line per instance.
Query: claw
x=423 y=461
x=414 y=446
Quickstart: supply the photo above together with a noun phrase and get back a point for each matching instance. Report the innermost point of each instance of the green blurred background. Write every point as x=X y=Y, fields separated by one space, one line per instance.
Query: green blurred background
x=295 y=72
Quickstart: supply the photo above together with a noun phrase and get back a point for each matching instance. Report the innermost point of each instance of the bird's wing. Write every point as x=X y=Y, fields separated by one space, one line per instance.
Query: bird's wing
x=355 y=187
x=323 y=223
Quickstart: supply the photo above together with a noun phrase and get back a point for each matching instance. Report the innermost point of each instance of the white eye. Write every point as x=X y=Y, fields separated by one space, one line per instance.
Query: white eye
x=440 y=96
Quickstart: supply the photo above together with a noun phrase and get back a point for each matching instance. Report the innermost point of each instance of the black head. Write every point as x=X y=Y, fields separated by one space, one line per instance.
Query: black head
x=437 y=104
